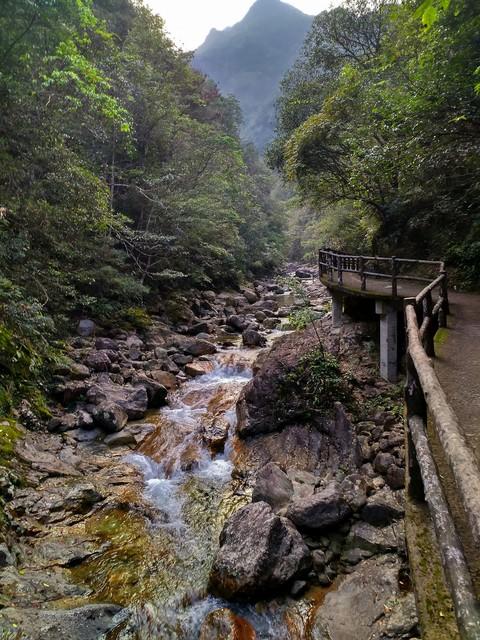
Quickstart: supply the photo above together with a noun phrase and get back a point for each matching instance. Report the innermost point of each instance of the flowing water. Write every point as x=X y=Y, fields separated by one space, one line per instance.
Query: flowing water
x=159 y=567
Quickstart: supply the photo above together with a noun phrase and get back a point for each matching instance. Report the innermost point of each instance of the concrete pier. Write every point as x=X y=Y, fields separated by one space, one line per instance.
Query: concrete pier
x=388 y=340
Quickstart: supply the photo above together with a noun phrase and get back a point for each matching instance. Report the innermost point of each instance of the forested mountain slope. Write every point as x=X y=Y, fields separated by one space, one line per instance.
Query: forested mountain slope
x=249 y=59
x=122 y=176
x=379 y=131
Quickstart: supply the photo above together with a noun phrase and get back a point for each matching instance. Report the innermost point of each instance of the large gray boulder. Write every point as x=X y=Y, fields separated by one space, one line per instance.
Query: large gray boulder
x=201 y=348
x=83 y=623
x=356 y=609
x=322 y=510
x=109 y=416
x=259 y=554
x=132 y=399
x=382 y=508
x=272 y=486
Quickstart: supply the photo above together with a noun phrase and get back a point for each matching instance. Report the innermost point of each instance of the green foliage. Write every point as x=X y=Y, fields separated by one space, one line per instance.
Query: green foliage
x=122 y=177
x=383 y=141
x=319 y=382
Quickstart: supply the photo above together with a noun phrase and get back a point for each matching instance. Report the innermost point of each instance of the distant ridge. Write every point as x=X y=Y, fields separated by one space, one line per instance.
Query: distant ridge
x=250 y=58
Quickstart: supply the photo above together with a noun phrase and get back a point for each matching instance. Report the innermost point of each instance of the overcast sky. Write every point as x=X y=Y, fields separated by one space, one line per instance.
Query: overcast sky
x=189 y=21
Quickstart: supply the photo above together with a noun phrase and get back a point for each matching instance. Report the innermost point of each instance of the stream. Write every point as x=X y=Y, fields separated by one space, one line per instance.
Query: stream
x=160 y=570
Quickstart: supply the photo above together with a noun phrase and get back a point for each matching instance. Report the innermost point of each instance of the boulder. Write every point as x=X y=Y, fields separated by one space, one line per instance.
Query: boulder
x=215 y=434
x=196 y=369
x=271 y=323
x=78 y=371
x=165 y=378
x=260 y=553
x=303 y=274
x=239 y=323
x=82 y=623
x=106 y=344
x=223 y=624
x=156 y=392
x=375 y=540
x=273 y=486
x=199 y=327
x=110 y=416
x=355 y=610
x=382 y=508
x=322 y=510
x=382 y=462
x=80 y=499
x=86 y=328
x=132 y=399
x=201 y=348
x=260 y=316
x=250 y=295
x=395 y=477
x=98 y=361
x=252 y=338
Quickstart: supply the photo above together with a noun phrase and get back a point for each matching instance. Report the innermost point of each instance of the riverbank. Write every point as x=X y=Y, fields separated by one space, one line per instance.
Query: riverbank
x=121 y=501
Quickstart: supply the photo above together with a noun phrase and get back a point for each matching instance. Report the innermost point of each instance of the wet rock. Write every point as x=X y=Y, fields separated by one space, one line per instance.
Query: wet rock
x=354 y=611
x=123 y=437
x=273 y=486
x=252 y=338
x=86 y=328
x=382 y=508
x=110 y=416
x=182 y=359
x=215 y=434
x=198 y=369
x=98 y=361
x=79 y=499
x=259 y=554
x=83 y=623
x=321 y=510
x=223 y=624
x=260 y=316
x=201 y=348
x=319 y=560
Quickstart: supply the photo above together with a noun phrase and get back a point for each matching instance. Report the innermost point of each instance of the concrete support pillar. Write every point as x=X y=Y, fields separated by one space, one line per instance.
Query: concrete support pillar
x=388 y=341
x=337 y=309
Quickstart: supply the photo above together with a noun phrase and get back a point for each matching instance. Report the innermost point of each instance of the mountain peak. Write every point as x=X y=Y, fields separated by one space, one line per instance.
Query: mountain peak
x=250 y=58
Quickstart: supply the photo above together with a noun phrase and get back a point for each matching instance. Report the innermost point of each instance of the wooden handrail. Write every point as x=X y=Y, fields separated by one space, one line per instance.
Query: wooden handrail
x=331 y=262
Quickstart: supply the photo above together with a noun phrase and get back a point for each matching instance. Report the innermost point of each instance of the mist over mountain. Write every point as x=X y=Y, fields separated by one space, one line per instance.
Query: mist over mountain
x=250 y=58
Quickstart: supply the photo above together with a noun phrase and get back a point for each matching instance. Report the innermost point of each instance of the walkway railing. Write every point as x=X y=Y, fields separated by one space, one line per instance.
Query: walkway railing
x=334 y=264
x=425 y=314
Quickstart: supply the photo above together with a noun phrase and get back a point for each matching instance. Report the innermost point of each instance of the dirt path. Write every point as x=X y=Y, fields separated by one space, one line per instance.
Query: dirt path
x=458 y=364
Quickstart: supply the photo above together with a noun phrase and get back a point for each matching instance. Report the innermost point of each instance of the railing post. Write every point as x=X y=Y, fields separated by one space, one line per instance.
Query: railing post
x=429 y=333
x=320 y=266
x=394 y=276
x=340 y=269
x=363 y=279
x=444 y=294
x=330 y=267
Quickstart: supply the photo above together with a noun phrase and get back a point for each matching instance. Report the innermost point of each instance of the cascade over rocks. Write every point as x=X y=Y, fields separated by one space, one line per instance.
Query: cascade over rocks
x=259 y=554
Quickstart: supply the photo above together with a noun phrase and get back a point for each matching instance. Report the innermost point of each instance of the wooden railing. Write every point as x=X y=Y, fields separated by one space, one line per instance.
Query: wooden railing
x=334 y=265
x=426 y=400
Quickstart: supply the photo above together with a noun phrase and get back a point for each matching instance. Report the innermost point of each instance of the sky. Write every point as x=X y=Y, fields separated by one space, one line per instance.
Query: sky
x=189 y=21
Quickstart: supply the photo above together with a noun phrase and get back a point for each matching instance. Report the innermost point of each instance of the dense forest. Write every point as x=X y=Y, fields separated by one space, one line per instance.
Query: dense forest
x=122 y=176
x=379 y=132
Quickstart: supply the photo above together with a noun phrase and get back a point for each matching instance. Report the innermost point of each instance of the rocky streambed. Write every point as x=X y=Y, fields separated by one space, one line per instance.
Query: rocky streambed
x=174 y=494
